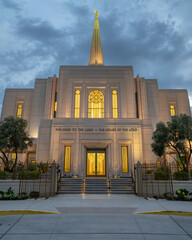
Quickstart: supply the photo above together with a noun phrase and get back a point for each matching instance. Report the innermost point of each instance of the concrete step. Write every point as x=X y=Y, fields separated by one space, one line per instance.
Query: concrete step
x=70 y=186
x=122 y=192
x=121 y=186
x=70 y=180
x=69 y=192
x=96 y=185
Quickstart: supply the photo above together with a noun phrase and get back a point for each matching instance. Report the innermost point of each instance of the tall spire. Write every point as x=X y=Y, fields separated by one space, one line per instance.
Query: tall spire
x=96 y=53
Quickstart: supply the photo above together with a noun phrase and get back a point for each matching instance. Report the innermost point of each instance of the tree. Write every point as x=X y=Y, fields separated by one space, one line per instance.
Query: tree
x=13 y=138
x=175 y=136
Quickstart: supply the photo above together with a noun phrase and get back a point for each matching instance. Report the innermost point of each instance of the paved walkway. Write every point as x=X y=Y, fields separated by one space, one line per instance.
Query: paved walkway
x=96 y=217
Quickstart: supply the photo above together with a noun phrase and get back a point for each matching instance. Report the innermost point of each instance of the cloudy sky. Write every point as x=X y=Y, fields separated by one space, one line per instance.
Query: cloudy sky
x=153 y=36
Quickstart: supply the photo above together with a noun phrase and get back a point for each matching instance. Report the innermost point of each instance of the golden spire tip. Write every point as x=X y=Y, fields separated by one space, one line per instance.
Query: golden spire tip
x=96 y=14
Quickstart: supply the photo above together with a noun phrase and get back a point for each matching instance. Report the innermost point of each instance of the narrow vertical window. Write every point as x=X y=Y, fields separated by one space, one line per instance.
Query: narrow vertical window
x=55 y=105
x=124 y=158
x=13 y=156
x=67 y=158
x=77 y=104
x=115 y=108
x=137 y=108
x=19 y=110
x=172 y=110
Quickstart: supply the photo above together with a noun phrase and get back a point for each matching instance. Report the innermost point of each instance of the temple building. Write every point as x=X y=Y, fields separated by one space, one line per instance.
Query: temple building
x=95 y=120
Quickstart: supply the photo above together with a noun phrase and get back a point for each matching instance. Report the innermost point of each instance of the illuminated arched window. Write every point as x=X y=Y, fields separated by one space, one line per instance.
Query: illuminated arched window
x=96 y=104
x=19 y=110
x=77 y=104
x=115 y=108
x=172 y=110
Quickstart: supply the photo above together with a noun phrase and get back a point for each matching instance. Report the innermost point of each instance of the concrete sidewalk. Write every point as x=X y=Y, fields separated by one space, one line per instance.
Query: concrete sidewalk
x=96 y=217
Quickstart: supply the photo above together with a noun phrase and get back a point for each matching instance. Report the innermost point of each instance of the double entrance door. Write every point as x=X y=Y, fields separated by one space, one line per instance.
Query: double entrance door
x=96 y=163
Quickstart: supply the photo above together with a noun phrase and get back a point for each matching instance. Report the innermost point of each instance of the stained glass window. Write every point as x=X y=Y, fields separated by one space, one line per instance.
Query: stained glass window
x=77 y=103
x=13 y=156
x=124 y=157
x=19 y=110
x=172 y=110
x=115 y=108
x=96 y=104
x=67 y=158
x=55 y=105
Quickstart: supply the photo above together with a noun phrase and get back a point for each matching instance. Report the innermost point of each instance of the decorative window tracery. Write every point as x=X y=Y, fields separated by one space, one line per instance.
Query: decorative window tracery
x=67 y=158
x=96 y=104
x=124 y=158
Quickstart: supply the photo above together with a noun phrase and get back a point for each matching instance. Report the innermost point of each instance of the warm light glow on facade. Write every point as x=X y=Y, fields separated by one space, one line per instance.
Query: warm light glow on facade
x=115 y=107
x=100 y=164
x=55 y=107
x=124 y=157
x=77 y=103
x=13 y=156
x=91 y=164
x=67 y=158
x=96 y=104
x=19 y=110
x=172 y=110
x=95 y=164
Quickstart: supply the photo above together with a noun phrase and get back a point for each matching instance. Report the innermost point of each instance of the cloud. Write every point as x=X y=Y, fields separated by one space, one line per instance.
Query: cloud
x=151 y=37
x=10 y=4
x=38 y=30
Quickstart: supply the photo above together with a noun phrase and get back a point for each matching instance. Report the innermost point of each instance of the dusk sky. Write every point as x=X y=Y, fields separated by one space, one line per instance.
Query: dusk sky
x=153 y=36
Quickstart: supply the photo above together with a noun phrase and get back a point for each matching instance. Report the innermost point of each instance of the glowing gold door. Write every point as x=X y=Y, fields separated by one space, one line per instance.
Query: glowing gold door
x=100 y=164
x=91 y=164
x=95 y=164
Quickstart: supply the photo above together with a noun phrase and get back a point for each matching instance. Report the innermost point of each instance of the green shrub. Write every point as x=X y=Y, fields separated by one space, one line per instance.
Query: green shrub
x=180 y=176
x=9 y=191
x=4 y=174
x=32 y=167
x=34 y=194
x=20 y=168
x=161 y=175
x=9 y=195
x=43 y=167
x=183 y=194
x=168 y=196
x=27 y=174
x=149 y=171
x=22 y=195
x=34 y=174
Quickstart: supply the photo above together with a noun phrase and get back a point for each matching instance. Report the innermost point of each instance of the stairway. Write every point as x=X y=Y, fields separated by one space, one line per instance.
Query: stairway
x=121 y=185
x=96 y=185
x=70 y=185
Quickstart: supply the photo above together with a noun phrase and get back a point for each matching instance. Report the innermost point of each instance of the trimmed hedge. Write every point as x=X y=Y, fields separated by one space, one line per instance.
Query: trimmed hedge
x=180 y=176
x=161 y=175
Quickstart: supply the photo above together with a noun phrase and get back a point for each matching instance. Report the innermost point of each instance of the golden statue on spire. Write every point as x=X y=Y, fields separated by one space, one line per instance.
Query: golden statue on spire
x=96 y=14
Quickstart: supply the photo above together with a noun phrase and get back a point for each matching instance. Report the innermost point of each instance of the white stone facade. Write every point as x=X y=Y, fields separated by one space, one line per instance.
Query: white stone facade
x=140 y=106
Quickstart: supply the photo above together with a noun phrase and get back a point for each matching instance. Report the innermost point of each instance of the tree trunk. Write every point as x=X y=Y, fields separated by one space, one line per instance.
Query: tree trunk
x=6 y=161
